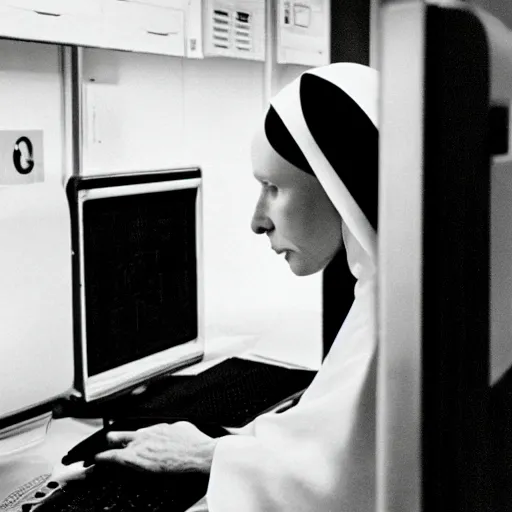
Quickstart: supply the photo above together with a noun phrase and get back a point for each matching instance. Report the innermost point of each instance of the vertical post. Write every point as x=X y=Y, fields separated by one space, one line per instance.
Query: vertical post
x=67 y=111
x=400 y=282
x=77 y=109
x=70 y=63
x=374 y=33
x=270 y=67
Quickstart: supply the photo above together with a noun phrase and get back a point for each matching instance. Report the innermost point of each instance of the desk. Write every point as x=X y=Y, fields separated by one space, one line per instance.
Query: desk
x=44 y=459
x=63 y=434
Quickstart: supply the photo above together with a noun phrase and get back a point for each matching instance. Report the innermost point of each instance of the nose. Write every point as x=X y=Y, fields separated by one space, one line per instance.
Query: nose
x=261 y=222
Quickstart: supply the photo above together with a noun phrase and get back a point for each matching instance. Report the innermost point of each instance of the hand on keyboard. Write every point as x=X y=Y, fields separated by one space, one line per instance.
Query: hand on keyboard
x=99 y=443
x=177 y=448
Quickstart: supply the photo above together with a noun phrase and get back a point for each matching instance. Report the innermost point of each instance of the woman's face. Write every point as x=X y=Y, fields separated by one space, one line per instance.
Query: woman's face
x=294 y=211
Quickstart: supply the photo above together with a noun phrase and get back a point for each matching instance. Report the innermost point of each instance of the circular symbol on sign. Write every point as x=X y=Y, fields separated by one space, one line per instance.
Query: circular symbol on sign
x=22 y=156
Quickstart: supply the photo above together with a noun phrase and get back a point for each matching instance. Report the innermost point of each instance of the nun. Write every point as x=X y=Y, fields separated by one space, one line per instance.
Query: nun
x=316 y=158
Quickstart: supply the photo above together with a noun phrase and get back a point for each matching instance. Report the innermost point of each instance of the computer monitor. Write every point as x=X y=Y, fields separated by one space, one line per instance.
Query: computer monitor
x=137 y=264
x=445 y=271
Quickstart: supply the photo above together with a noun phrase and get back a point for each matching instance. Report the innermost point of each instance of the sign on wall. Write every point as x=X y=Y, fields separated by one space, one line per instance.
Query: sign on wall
x=303 y=28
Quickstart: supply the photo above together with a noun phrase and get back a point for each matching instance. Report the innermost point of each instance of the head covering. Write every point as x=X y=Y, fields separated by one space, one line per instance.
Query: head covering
x=320 y=455
x=325 y=123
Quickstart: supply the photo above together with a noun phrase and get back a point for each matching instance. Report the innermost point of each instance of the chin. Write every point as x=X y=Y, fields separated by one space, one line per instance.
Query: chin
x=302 y=268
x=300 y=271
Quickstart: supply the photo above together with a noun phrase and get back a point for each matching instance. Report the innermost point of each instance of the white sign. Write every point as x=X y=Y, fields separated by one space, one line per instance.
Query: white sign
x=303 y=32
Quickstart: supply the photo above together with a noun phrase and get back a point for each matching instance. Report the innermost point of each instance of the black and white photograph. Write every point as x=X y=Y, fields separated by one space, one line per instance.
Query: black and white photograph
x=255 y=256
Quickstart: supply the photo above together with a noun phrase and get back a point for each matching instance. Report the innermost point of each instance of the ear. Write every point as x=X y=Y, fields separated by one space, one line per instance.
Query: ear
x=347 y=138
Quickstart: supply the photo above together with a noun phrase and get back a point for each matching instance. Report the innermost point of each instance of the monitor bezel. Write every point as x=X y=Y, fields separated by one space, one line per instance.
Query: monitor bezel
x=133 y=374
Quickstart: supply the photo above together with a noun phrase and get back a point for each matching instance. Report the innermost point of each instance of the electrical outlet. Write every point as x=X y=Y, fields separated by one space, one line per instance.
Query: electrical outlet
x=21 y=157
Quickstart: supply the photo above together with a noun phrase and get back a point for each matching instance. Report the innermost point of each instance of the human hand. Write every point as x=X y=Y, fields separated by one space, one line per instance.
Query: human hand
x=164 y=448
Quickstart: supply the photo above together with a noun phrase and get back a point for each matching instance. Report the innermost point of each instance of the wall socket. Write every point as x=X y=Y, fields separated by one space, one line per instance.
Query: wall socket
x=21 y=157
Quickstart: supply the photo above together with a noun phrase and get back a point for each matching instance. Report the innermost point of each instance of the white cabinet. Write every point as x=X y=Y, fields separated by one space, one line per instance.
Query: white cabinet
x=183 y=28
x=143 y=27
x=58 y=7
x=169 y=4
x=152 y=26
x=60 y=21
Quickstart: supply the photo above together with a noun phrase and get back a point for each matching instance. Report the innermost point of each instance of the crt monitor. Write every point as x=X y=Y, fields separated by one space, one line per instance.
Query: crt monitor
x=137 y=264
x=444 y=410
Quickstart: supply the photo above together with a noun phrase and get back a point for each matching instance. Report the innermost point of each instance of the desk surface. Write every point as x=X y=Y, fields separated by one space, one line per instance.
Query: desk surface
x=63 y=434
x=44 y=458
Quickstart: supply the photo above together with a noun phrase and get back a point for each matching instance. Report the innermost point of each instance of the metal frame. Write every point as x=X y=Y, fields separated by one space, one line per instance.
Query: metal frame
x=400 y=259
x=71 y=65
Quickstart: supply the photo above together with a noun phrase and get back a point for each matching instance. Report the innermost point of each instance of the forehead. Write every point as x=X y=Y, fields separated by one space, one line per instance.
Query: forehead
x=268 y=165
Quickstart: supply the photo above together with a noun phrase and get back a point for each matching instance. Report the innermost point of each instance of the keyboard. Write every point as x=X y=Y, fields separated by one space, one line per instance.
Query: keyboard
x=123 y=490
x=230 y=394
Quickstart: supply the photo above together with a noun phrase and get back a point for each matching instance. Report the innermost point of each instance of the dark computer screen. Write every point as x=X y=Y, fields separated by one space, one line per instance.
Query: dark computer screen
x=140 y=275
